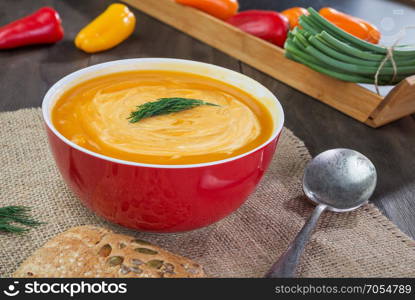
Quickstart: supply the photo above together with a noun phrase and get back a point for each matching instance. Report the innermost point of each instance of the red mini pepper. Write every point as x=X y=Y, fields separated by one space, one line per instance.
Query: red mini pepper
x=42 y=27
x=265 y=24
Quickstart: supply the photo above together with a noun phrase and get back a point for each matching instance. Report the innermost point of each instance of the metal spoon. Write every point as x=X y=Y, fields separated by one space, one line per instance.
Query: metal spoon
x=339 y=180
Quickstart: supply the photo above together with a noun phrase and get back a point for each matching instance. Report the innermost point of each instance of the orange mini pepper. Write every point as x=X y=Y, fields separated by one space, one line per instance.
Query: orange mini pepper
x=353 y=25
x=222 y=9
x=293 y=15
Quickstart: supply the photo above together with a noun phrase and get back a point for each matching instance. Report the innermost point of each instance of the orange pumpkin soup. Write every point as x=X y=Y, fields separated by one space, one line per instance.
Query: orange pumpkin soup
x=94 y=114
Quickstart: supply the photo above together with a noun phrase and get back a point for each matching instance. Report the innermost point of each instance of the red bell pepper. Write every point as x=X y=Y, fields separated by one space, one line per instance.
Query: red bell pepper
x=265 y=24
x=42 y=27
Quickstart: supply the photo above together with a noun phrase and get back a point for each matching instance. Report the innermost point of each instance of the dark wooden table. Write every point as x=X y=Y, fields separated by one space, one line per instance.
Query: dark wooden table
x=27 y=73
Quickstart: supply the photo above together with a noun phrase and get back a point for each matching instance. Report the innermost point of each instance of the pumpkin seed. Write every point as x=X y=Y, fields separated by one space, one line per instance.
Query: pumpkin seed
x=146 y=251
x=155 y=263
x=168 y=268
x=141 y=242
x=124 y=269
x=136 y=261
x=105 y=250
x=115 y=260
x=121 y=245
x=136 y=270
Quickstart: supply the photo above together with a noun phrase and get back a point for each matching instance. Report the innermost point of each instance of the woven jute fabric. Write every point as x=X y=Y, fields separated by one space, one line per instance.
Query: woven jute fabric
x=362 y=243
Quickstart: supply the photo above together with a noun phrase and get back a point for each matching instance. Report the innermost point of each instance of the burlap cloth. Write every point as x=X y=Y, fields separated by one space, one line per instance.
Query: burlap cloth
x=358 y=244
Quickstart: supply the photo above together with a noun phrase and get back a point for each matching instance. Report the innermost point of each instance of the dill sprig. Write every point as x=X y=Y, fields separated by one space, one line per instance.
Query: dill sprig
x=11 y=216
x=164 y=106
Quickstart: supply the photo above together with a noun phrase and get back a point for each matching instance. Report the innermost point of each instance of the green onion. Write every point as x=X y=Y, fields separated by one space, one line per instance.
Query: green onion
x=324 y=23
x=326 y=48
x=353 y=68
x=331 y=73
x=348 y=49
x=323 y=47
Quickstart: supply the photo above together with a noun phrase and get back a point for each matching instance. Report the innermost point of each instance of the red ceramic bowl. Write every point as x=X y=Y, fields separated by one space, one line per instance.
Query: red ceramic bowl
x=161 y=198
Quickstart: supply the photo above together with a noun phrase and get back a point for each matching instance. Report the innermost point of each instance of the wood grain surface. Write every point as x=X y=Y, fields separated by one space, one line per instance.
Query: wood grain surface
x=28 y=72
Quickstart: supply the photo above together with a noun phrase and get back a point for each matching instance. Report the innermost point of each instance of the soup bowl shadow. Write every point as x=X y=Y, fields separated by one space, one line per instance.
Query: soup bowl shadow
x=161 y=198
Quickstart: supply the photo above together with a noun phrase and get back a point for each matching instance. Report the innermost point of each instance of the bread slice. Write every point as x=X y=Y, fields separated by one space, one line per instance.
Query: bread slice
x=89 y=251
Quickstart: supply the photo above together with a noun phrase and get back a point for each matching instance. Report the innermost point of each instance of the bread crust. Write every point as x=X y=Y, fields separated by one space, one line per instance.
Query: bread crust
x=89 y=251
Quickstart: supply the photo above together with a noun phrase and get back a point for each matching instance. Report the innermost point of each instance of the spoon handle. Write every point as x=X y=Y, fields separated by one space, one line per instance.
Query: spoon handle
x=287 y=264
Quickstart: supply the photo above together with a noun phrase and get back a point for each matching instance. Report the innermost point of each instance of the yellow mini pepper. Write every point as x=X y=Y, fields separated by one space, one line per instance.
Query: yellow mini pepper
x=108 y=30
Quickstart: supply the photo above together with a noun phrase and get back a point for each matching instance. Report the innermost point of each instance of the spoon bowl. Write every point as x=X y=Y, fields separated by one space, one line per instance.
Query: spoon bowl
x=342 y=179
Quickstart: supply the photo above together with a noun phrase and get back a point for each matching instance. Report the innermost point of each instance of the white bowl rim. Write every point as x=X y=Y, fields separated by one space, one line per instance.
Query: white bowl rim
x=47 y=102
